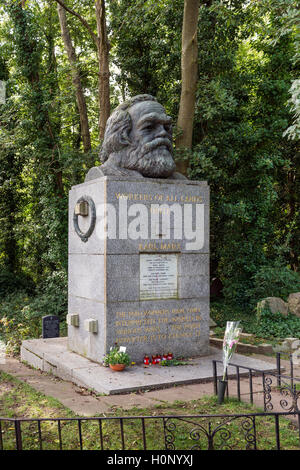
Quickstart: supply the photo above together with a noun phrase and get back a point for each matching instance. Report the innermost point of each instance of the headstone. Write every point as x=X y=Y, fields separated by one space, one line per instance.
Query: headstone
x=139 y=251
x=50 y=326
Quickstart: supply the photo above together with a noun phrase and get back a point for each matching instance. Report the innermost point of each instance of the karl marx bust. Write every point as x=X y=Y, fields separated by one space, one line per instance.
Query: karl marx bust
x=137 y=142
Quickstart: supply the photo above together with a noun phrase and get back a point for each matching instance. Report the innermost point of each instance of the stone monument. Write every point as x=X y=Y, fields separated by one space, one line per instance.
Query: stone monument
x=138 y=245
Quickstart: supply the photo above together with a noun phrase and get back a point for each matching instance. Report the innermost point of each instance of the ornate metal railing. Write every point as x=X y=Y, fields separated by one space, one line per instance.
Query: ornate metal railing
x=287 y=393
x=199 y=432
x=280 y=392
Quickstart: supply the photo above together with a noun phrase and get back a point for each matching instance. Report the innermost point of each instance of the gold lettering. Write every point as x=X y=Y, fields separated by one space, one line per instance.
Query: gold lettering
x=148 y=246
x=163 y=320
x=171 y=198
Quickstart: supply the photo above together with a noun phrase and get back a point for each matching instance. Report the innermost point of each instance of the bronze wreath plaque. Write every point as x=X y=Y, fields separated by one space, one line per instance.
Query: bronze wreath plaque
x=83 y=206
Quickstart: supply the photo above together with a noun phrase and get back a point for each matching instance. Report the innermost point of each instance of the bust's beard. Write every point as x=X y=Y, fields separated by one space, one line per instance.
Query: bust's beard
x=152 y=160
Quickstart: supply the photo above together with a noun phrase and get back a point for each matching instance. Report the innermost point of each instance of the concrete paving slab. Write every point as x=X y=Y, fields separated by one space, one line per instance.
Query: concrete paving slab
x=181 y=393
x=86 y=407
x=200 y=391
x=176 y=394
x=78 y=400
x=39 y=346
x=91 y=375
x=127 y=402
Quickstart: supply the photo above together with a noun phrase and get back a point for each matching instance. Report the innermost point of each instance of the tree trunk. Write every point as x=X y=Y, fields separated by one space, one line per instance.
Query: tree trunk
x=80 y=98
x=103 y=58
x=28 y=47
x=102 y=45
x=189 y=69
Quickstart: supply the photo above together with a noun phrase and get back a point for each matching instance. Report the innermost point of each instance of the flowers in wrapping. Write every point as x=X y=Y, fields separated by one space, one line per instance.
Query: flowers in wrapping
x=231 y=338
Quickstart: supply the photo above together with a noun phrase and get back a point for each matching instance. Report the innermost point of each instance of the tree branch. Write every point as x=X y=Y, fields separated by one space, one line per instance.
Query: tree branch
x=83 y=21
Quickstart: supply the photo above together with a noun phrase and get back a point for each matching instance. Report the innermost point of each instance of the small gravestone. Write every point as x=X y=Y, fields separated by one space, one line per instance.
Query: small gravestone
x=50 y=324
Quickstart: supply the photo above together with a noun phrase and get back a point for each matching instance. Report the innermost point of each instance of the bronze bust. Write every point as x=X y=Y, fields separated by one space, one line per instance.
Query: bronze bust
x=137 y=142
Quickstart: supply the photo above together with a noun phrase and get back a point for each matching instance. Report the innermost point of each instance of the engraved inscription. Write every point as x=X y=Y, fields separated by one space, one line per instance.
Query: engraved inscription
x=163 y=324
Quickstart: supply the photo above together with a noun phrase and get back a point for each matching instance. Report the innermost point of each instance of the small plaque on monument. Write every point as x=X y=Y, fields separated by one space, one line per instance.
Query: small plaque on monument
x=50 y=325
x=158 y=276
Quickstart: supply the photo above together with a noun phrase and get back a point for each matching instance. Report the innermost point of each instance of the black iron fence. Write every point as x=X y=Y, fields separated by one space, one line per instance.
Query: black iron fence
x=252 y=431
x=239 y=371
x=287 y=392
x=267 y=430
x=279 y=391
x=289 y=373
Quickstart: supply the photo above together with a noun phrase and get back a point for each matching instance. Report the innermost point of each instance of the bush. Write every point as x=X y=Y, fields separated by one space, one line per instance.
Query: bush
x=16 y=323
x=222 y=311
x=52 y=296
x=273 y=281
x=21 y=314
x=268 y=325
x=274 y=325
x=11 y=282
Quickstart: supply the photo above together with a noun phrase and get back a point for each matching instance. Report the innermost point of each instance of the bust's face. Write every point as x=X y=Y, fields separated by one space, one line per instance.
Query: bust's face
x=151 y=135
x=149 y=122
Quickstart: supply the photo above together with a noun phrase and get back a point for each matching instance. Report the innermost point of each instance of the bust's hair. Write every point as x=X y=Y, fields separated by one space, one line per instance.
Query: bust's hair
x=118 y=127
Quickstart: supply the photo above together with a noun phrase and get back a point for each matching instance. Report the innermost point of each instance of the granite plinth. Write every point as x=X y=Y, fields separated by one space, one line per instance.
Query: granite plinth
x=52 y=355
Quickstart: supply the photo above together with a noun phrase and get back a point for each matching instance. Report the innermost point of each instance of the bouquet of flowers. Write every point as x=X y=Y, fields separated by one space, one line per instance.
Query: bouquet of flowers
x=231 y=338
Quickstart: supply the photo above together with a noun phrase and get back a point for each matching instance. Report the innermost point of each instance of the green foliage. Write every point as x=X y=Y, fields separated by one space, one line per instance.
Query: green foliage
x=288 y=11
x=266 y=325
x=25 y=401
x=293 y=131
x=240 y=116
x=115 y=356
x=21 y=314
x=274 y=325
x=10 y=282
x=146 y=44
x=40 y=152
x=273 y=281
x=239 y=148
x=247 y=61
x=222 y=311
x=17 y=322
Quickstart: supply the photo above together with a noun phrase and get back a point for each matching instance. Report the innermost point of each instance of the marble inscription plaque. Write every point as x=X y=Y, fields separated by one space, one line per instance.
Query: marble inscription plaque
x=158 y=276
